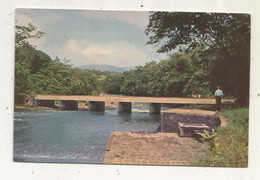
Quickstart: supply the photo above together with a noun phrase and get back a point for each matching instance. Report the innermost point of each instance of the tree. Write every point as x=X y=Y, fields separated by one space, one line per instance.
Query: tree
x=112 y=83
x=24 y=54
x=129 y=85
x=225 y=37
x=37 y=73
x=22 y=33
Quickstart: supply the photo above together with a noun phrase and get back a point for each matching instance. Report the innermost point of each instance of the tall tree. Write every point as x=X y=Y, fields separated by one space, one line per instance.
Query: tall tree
x=226 y=37
x=23 y=33
x=24 y=55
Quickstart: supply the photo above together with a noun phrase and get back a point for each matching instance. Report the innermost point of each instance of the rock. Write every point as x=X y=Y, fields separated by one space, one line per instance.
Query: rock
x=109 y=108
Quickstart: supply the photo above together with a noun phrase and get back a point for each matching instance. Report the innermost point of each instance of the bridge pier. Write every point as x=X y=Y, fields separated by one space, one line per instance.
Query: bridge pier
x=44 y=103
x=155 y=108
x=97 y=105
x=124 y=107
x=68 y=105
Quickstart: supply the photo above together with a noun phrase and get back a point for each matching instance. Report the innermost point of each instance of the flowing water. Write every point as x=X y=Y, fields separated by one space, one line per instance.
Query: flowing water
x=73 y=136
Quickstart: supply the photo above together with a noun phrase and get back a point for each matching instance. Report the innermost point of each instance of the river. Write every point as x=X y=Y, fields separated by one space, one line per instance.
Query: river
x=73 y=136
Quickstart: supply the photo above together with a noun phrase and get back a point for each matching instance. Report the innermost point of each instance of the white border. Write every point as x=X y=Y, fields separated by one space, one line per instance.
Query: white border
x=11 y=170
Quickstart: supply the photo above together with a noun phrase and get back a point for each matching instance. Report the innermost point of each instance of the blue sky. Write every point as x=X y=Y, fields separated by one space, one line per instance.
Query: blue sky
x=92 y=37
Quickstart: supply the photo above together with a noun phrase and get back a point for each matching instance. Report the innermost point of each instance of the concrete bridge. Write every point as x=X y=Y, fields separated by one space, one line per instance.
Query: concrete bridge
x=97 y=103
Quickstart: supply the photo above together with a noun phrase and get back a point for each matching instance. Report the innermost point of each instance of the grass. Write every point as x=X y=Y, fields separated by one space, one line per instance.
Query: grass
x=231 y=142
x=203 y=107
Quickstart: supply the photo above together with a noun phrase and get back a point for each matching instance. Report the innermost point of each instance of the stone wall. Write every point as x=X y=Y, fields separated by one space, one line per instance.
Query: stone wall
x=170 y=120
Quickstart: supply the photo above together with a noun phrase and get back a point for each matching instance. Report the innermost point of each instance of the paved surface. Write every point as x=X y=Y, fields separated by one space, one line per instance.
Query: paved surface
x=152 y=149
x=190 y=111
x=173 y=100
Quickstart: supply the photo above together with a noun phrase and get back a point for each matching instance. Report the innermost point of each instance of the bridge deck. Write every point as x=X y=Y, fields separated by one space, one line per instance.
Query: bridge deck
x=171 y=100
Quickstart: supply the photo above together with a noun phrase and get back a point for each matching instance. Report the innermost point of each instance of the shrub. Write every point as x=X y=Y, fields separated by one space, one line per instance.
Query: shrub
x=231 y=142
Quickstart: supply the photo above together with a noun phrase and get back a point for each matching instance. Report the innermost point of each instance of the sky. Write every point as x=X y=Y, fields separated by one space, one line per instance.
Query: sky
x=92 y=36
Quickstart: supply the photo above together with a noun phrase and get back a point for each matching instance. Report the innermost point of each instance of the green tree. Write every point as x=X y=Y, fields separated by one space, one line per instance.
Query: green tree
x=23 y=33
x=181 y=75
x=129 y=84
x=226 y=41
x=24 y=54
x=112 y=83
x=37 y=73
x=82 y=82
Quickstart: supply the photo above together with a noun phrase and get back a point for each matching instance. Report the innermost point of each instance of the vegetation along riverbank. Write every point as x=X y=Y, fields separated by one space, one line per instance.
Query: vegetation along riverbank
x=229 y=145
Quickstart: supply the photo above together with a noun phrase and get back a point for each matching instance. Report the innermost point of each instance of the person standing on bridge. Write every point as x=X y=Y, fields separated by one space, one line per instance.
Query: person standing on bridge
x=218 y=94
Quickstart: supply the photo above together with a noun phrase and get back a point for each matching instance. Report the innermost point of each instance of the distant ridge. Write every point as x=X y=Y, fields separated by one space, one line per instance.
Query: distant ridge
x=104 y=67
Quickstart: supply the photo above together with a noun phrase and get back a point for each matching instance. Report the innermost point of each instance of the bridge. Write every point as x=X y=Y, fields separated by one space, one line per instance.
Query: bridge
x=97 y=103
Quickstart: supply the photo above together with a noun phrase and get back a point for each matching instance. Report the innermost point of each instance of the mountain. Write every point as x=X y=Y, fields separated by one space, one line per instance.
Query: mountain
x=105 y=68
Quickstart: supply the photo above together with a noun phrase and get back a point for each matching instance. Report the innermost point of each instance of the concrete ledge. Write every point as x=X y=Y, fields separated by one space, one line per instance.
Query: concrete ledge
x=190 y=111
x=187 y=130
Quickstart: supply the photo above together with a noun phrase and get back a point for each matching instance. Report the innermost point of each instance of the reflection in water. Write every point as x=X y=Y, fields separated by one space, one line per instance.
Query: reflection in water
x=72 y=136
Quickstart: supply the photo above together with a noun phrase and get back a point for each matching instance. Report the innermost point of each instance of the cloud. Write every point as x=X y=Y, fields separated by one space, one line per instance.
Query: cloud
x=138 y=18
x=38 y=43
x=119 y=53
x=38 y=17
x=119 y=46
x=23 y=19
x=95 y=51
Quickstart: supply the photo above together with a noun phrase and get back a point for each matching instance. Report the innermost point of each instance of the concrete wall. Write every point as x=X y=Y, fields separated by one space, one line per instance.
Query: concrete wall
x=124 y=107
x=96 y=105
x=44 y=103
x=69 y=105
x=169 y=121
x=155 y=108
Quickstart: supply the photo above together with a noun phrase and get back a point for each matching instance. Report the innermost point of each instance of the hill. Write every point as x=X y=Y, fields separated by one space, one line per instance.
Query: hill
x=104 y=67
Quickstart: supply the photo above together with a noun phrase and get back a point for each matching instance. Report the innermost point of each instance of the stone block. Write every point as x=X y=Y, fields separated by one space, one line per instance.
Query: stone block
x=187 y=130
x=69 y=105
x=171 y=118
x=124 y=107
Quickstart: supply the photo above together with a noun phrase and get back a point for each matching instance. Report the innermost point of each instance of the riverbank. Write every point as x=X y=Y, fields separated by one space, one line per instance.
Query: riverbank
x=230 y=145
x=81 y=106
x=18 y=108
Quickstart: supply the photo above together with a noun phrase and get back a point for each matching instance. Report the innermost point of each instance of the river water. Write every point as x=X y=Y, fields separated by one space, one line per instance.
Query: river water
x=73 y=136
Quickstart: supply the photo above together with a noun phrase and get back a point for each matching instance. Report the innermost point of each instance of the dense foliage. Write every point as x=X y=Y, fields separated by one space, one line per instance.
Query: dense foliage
x=226 y=42
x=37 y=73
x=182 y=75
x=231 y=142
